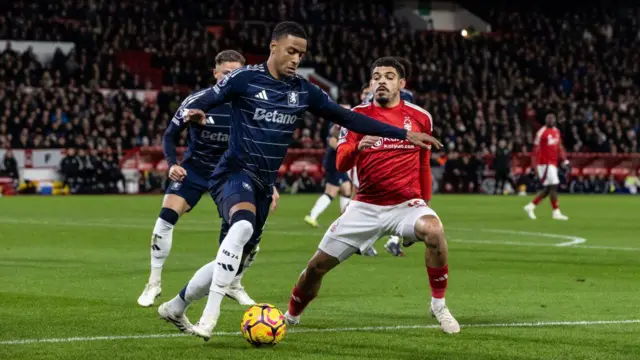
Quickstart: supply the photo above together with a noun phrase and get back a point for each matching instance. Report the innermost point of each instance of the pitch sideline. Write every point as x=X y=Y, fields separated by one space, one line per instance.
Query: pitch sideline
x=327 y=330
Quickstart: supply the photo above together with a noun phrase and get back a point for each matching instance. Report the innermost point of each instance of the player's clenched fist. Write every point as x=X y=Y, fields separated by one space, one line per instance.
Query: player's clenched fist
x=367 y=142
x=422 y=139
x=177 y=173
x=195 y=116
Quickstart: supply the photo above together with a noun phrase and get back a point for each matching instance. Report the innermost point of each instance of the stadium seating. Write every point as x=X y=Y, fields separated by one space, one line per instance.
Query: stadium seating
x=498 y=85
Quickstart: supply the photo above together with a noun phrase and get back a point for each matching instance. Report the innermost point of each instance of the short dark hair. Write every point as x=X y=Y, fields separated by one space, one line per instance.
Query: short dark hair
x=288 y=28
x=391 y=62
x=229 y=56
x=407 y=66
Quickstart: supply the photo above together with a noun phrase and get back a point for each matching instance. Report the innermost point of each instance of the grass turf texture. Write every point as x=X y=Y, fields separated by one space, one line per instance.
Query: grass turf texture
x=74 y=267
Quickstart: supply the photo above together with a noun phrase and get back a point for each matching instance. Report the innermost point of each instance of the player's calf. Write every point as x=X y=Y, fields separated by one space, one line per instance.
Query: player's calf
x=242 y=224
x=429 y=230
x=161 y=242
x=308 y=284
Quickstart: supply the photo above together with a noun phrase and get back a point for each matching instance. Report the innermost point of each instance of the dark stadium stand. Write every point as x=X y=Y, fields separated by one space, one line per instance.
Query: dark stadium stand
x=498 y=85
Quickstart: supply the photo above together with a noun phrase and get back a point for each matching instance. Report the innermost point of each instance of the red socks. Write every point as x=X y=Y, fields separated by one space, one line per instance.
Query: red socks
x=537 y=200
x=554 y=204
x=438 y=281
x=298 y=302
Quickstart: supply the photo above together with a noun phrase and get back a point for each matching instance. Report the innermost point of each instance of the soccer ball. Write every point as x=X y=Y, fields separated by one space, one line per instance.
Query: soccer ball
x=263 y=324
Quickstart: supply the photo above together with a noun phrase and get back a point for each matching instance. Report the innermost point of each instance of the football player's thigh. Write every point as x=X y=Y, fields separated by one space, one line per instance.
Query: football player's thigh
x=403 y=218
x=238 y=193
x=182 y=197
x=354 y=230
x=552 y=175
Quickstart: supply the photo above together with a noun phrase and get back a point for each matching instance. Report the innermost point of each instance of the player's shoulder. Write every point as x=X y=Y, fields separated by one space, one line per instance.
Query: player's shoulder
x=241 y=75
x=418 y=112
x=362 y=108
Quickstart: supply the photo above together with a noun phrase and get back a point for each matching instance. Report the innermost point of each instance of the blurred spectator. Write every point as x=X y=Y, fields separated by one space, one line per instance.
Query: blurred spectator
x=304 y=184
x=285 y=183
x=10 y=166
x=502 y=167
x=578 y=185
x=632 y=183
x=612 y=186
x=597 y=184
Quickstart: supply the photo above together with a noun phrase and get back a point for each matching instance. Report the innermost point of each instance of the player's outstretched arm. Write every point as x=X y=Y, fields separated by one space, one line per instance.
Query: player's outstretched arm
x=321 y=104
x=197 y=104
x=425 y=176
x=176 y=172
x=169 y=141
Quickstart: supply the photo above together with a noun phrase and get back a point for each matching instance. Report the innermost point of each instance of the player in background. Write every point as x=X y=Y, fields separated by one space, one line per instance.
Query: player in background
x=267 y=101
x=190 y=178
x=393 y=243
x=395 y=186
x=336 y=182
x=548 y=150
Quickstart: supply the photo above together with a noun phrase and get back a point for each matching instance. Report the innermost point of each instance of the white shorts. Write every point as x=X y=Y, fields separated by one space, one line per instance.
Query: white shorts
x=353 y=175
x=362 y=224
x=548 y=175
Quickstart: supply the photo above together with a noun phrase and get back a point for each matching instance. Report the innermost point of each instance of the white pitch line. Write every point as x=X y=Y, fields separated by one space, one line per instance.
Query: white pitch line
x=519 y=243
x=573 y=240
x=327 y=330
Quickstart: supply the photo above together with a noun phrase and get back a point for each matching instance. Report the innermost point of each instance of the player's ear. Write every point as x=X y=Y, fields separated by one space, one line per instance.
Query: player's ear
x=403 y=83
x=272 y=46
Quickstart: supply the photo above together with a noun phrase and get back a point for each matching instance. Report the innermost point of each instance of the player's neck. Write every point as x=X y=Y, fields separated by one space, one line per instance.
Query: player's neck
x=388 y=105
x=272 y=69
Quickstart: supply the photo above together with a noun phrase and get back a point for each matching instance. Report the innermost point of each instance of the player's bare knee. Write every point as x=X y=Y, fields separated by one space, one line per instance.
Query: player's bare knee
x=175 y=203
x=331 y=190
x=429 y=229
x=242 y=206
x=321 y=264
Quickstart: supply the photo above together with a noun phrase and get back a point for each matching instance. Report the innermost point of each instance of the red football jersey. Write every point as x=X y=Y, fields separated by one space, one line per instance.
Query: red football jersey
x=392 y=171
x=548 y=146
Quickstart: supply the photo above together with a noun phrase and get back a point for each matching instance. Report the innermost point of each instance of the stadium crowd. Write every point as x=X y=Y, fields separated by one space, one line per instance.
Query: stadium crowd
x=583 y=66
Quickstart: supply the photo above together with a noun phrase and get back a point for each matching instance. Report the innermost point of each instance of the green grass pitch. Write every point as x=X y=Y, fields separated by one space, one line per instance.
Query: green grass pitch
x=71 y=269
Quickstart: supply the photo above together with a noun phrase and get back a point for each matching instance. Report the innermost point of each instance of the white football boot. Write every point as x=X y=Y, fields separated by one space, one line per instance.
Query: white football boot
x=203 y=330
x=530 y=210
x=149 y=294
x=290 y=319
x=448 y=323
x=557 y=215
x=179 y=320
x=239 y=294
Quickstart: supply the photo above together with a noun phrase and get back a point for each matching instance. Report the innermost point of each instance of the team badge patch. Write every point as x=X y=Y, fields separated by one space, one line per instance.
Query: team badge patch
x=176 y=186
x=246 y=186
x=224 y=81
x=407 y=123
x=293 y=98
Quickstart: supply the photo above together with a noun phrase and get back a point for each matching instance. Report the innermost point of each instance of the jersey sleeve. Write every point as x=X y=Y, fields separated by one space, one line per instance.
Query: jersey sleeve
x=426 y=182
x=320 y=104
x=170 y=137
x=224 y=91
x=347 y=150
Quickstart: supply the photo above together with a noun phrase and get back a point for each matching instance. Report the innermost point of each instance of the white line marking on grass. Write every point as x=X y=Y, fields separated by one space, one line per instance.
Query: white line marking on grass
x=326 y=330
x=573 y=240
x=519 y=243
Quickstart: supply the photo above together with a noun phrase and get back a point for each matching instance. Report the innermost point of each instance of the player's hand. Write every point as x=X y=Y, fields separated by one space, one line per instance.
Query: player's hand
x=195 y=116
x=274 y=200
x=177 y=173
x=367 y=142
x=422 y=139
